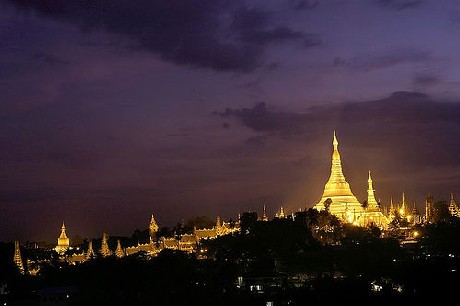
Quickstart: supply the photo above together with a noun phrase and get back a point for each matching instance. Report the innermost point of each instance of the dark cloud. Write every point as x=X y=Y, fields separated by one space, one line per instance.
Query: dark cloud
x=425 y=80
x=304 y=4
x=407 y=122
x=368 y=62
x=256 y=27
x=221 y=35
x=256 y=141
x=399 y=4
x=260 y=119
x=48 y=59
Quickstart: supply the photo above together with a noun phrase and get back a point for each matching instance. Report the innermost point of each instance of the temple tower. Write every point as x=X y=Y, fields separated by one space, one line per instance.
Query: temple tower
x=403 y=211
x=429 y=208
x=392 y=213
x=63 y=242
x=153 y=228
x=264 y=214
x=453 y=207
x=17 y=257
x=90 y=252
x=337 y=194
x=415 y=215
x=281 y=213
x=119 y=251
x=372 y=204
x=105 y=250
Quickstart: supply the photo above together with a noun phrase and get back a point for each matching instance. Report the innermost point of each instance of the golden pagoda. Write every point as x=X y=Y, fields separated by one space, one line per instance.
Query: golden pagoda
x=340 y=201
x=153 y=228
x=337 y=196
x=63 y=242
x=372 y=211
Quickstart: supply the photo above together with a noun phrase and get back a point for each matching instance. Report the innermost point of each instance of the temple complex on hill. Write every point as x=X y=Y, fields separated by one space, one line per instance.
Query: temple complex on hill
x=340 y=201
x=337 y=199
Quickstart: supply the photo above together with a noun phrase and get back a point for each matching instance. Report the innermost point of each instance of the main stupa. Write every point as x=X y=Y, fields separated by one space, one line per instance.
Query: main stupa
x=340 y=201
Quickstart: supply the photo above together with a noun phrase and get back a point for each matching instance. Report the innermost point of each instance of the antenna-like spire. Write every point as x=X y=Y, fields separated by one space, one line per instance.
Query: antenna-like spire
x=371 y=202
x=335 y=142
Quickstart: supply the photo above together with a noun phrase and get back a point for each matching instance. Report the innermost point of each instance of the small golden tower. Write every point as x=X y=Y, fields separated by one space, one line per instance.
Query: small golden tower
x=264 y=215
x=63 y=242
x=17 y=257
x=119 y=251
x=90 y=252
x=372 y=204
x=281 y=213
x=453 y=207
x=153 y=228
x=105 y=250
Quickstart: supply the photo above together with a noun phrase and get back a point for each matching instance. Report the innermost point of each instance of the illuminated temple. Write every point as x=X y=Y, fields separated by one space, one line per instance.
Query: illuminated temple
x=340 y=201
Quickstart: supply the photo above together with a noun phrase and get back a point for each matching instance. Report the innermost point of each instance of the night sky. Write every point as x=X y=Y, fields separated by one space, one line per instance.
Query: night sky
x=111 y=110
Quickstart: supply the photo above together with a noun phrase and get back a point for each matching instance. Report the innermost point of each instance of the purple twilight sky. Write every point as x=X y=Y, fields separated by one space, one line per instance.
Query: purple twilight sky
x=111 y=110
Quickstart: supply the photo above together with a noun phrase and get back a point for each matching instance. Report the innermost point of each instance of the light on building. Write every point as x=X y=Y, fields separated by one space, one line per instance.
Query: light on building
x=415 y=234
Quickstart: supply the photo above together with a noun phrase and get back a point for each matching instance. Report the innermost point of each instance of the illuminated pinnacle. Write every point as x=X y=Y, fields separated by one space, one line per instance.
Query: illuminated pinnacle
x=264 y=216
x=105 y=250
x=17 y=257
x=335 y=143
x=119 y=251
x=153 y=228
x=63 y=242
x=90 y=252
x=453 y=207
x=337 y=188
x=371 y=202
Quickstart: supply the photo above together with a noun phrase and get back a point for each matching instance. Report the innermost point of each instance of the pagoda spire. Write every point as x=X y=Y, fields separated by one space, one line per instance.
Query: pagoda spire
x=453 y=207
x=17 y=257
x=63 y=243
x=153 y=228
x=371 y=202
x=337 y=191
x=119 y=251
x=105 y=250
x=264 y=215
x=335 y=142
x=90 y=252
x=403 y=208
x=281 y=214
